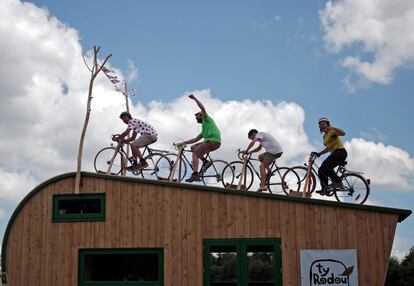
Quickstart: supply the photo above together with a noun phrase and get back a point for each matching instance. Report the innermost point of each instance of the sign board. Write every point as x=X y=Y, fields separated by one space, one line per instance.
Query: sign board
x=328 y=267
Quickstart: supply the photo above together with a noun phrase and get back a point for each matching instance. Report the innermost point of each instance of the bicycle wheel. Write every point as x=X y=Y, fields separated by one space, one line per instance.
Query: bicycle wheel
x=213 y=173
x=165 y=164
x=163 y=167
x=278 y=183
x=291 y=185
x=103 y=159
x=180 y=170
x=149 y=172
x=236 y=167
x=355 y=189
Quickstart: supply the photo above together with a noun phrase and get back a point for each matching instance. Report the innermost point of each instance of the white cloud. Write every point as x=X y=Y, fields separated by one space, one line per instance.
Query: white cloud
x=386 y=166
x=14 y=186
x=400 y=247
x=175 y=120
x=43 y=107
x=382 y=30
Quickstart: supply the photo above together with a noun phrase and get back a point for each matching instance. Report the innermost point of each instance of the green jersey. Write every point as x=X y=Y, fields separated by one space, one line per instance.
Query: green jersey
x=210 y=131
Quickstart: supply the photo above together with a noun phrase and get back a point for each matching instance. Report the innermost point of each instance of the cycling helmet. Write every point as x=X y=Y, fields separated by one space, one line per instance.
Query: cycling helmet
x=322 y=119
x=127 y=114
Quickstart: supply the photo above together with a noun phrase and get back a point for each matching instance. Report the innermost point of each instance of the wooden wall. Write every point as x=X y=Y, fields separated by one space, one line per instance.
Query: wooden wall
x=40 y=252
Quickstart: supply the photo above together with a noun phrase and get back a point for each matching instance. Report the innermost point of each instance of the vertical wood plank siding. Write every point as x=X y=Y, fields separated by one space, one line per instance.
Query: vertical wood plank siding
x=40 y=252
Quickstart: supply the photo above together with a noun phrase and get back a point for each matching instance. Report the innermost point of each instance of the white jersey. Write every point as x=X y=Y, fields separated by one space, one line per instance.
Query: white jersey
x=269 y=143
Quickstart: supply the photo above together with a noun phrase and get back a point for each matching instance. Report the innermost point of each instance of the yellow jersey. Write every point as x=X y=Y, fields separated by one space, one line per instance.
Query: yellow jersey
x=332 y=141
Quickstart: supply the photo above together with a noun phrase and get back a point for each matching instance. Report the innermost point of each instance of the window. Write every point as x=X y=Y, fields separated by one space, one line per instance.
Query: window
x=78 y=207
x=117 y=267
x=242 y=262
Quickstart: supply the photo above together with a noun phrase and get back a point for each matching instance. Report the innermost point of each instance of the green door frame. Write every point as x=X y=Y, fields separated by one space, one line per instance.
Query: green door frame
x=241 y=245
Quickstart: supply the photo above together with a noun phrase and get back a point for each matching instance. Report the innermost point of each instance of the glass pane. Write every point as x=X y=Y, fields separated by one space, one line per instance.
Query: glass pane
x=121 y=267
x=223 y=266
x=261 y=265
x=79 y=206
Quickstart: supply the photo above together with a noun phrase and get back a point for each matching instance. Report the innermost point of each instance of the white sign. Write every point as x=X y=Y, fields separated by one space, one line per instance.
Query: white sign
x=328 y=267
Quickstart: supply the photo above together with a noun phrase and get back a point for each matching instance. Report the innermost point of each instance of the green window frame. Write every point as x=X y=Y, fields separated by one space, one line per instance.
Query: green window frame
x=60 y=199
x=83 y=253
x=241 y=247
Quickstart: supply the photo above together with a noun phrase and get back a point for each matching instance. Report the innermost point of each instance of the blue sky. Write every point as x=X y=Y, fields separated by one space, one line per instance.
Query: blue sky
x=240 y=49
x=303 y=53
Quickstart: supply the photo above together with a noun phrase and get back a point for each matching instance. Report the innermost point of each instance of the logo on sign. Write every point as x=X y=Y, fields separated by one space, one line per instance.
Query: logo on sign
x=329 y=272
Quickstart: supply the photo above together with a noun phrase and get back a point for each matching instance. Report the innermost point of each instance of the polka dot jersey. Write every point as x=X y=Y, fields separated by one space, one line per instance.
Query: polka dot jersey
x=141 y=127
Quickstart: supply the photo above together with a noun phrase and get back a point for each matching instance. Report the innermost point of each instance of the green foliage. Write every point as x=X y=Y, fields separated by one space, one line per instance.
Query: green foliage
x=261 y=267
x=401 y=274
x=223 y=267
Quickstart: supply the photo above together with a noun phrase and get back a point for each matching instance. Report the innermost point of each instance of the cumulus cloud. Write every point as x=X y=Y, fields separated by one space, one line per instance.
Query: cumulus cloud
x=388 y=167
x=43 y=92
x=175 y=121
x=380 y=32
x=43 y=106
x=15 y=185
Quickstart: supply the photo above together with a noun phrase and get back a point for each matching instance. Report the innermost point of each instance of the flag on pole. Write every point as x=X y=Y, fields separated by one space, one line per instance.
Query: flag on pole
x=110 y=74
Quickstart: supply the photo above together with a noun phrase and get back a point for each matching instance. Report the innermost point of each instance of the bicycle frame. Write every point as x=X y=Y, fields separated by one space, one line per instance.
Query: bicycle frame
x=181 y=157
x=184 y=157
x=341 y=169
x=250 y=164
x=146 y=153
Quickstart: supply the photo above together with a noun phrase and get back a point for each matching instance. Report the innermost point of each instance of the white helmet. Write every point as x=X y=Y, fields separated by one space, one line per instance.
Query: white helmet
x=322 y=119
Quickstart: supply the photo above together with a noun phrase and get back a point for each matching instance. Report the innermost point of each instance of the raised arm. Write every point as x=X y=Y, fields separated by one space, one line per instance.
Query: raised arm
x=338 y=131
x=200 y=105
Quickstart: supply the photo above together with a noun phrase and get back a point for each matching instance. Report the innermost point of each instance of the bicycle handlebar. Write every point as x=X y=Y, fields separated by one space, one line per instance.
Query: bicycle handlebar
x=175 y=146
x=240 y=154
x=312 y=157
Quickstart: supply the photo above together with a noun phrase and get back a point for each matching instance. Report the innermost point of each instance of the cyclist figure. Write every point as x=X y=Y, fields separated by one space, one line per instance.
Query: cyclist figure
x=337 y=157
x=148 y=136
x=211 y=135
x=273 y=151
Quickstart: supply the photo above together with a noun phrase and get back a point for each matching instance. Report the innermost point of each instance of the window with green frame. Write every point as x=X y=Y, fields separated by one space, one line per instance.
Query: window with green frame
x=121 y=266
x=78 y=207
x=242 y=262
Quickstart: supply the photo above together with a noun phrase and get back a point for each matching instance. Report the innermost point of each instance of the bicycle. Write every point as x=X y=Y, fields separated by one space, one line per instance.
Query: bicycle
x=118 y=155
x=355 y=188
x=211 y=173
x=274 y=180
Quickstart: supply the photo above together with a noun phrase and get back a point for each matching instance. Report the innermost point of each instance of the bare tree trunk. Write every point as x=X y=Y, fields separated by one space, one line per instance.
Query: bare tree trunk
x=123 y=173
x=94 y=72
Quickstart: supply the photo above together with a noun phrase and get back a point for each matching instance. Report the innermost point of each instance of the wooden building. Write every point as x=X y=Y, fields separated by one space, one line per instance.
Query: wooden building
x=127 y=231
